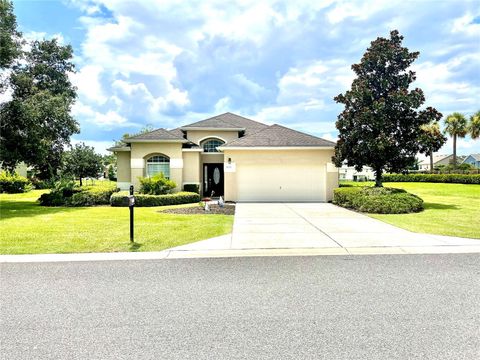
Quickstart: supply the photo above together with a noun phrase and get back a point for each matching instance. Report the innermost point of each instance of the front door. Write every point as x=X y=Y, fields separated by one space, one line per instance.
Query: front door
x=213 y=180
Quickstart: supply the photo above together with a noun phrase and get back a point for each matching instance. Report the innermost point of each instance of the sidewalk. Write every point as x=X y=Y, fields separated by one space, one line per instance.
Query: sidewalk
x=221 y=247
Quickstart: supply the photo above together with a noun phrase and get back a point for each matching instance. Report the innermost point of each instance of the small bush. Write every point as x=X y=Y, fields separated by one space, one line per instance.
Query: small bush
x=434 y=178
x=191 y=188
x=14 y=183
x=377 y=200
x=156 y=185
x=142 y=200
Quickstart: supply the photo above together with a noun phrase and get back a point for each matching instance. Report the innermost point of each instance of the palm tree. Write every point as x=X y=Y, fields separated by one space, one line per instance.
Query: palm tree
x=431 y=139
x=474 y=127
x=456 y=126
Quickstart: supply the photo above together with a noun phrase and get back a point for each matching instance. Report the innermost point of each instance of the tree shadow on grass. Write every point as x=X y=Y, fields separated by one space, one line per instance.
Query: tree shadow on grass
x=16 y=209
x=437 y=206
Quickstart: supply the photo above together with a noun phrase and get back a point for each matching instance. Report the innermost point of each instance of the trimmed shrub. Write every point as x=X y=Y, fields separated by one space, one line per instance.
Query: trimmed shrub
x=377 y=200
x=14 y=183
x=156 y=185
x=67 y=193
x=91 y=197
x=142 y=200
x=191 y=188
x=433 y=178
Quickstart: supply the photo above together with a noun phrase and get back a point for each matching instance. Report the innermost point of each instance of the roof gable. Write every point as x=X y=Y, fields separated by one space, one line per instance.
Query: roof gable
x=279 y=136
x=228 y=121
x=158 y=134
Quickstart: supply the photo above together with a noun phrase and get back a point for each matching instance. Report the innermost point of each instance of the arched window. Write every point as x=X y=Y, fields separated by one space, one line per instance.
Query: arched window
x=210 y=145
x=158 y=164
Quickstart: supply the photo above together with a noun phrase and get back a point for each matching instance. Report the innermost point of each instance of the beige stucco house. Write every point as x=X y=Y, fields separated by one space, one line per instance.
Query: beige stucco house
x=232 y=156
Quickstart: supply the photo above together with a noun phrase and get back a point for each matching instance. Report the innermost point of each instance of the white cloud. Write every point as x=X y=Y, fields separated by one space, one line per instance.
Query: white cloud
x=109 y=119
x=444 y=87
x=466 y=25
x=106 y=120
x=99 y=146
x=87 y=80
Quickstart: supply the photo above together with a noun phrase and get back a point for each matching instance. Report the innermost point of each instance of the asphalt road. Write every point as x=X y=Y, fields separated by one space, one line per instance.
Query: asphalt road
x=337 y=307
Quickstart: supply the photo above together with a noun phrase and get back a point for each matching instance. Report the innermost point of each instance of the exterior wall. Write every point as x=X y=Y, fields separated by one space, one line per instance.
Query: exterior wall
x=332 y=180
x=191 y=168
x=288 y=175
x=349 y=173
x=123 y=169
x=141 y=151
x=198 y=135
x=471 y=160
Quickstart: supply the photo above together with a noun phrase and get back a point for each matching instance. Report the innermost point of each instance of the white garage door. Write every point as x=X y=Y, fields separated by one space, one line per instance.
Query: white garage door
x=280 y=182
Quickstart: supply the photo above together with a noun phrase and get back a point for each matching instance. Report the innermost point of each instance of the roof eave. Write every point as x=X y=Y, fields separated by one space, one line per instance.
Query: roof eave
x=118 y=149
x=156 y=141
x=315 y=147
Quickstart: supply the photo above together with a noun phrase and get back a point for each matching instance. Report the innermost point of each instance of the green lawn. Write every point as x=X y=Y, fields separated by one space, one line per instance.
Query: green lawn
x=27 y=228
x=450 y=209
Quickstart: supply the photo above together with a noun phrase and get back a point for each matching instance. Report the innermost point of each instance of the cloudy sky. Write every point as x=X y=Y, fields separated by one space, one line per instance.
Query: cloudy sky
x=167 y=63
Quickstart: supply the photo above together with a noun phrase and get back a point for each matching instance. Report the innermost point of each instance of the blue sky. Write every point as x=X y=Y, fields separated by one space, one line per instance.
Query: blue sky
x=168 y=63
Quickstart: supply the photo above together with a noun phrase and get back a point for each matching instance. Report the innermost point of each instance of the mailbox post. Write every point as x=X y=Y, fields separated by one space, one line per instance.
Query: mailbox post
x=131 y=204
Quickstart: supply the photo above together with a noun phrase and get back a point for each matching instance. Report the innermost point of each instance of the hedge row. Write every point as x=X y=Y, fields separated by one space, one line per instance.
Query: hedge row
x=377 y=200
x=141 y=200
x=434 y=178
x=14 y=183
x=76 y=196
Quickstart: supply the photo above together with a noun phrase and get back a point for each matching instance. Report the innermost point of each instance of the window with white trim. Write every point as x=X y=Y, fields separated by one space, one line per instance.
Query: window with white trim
x=158 y=164
x=210 y=146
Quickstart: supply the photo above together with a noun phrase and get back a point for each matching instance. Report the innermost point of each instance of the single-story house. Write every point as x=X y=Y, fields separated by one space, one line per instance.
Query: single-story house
x=231 y=156
x=439 y=159
x=349 y=173
x=473 y=159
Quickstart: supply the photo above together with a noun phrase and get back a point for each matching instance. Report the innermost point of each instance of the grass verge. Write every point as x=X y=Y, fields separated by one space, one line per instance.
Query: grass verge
x=27 y=228
x=450 y=209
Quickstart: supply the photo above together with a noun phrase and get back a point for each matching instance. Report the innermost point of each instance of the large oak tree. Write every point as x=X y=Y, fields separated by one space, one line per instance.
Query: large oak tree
x=381 y=123
x=36 y=123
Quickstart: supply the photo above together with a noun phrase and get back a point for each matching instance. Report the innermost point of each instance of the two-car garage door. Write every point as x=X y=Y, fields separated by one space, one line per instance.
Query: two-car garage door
x=281 y=180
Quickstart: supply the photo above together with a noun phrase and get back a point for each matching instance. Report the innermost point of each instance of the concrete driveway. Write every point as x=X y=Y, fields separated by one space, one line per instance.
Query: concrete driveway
x=320 y=225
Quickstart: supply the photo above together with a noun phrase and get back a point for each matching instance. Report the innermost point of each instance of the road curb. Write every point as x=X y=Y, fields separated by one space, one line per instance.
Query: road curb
x=227 y=253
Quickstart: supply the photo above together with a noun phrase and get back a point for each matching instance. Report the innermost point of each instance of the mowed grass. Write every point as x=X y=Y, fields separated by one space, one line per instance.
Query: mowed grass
x=450 y=209
x=27 y=228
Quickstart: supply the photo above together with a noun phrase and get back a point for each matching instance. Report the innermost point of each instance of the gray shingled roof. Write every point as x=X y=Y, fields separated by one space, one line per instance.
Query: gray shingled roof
x=229 y=121
x=159 y=134
x=475 y=156
x=279 y=136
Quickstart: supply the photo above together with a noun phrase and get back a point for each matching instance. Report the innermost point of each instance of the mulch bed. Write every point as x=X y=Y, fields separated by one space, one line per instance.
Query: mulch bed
x=228 y=209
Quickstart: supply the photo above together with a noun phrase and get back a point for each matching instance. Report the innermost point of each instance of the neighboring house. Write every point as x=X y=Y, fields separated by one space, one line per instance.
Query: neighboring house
x=349 y=173
x=232 y=156
x=21 y=169
x=473 y=159
x=439 y=160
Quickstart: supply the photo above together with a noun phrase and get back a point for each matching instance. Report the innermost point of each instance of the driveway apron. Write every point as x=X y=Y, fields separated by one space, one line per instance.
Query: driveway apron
x=320 y=225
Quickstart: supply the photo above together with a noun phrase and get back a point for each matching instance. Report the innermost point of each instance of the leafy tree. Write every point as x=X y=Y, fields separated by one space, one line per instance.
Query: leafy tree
x=431 y=139
x=456 y=127
x=82 y=161
x=147 y=128
x=380 y=124
x=474 y=127
x=109 y=159
x=36 y=123
x=10 y=37
x=112 y=173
